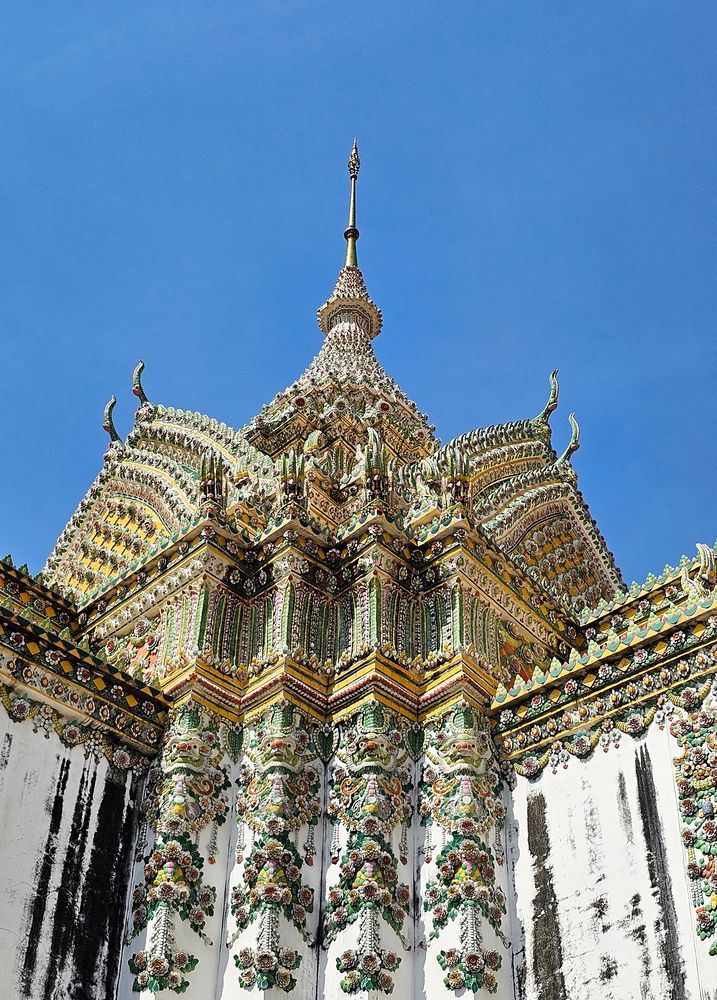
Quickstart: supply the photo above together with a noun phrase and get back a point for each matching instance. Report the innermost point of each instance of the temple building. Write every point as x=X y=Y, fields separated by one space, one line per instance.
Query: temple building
x=322 y=706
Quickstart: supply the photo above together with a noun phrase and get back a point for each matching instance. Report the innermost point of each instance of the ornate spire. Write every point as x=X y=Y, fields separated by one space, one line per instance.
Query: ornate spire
x=350 y=302
x=351 y=233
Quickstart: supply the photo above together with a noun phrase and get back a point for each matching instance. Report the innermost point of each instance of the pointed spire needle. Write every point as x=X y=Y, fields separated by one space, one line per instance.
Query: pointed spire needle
x=351 y=233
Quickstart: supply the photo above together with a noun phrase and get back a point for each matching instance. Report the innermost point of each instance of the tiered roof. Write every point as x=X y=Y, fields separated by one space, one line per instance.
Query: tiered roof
x=521 y=492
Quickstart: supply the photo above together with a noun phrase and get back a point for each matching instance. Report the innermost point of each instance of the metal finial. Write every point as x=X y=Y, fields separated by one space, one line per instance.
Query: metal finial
x=351 y=233
x=354 y=162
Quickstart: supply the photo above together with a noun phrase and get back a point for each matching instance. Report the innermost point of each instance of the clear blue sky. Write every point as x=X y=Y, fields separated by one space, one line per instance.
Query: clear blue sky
x=537 y=191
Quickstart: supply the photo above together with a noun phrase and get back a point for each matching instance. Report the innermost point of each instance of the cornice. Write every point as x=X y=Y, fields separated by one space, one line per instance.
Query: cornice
x=63 y=674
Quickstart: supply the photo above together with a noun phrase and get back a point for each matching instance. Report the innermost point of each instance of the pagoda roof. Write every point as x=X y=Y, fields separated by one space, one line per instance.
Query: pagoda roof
x=343 y=406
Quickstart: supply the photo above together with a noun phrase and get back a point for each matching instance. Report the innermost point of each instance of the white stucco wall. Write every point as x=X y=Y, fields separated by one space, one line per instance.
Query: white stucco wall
x=602 y=908
x=66 y=828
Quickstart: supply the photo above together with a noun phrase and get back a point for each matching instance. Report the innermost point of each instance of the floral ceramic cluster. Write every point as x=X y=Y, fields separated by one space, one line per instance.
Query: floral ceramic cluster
x=271 y=884
x=466 y=877
x=696 y=768
x=173 y=877
x=161 y=972
x=267 y=969
x=622 y=685
x=272 y=878
x=464 y=887
x=173 y=882
x=472 y=969
x=370 y=970
x=368 y=878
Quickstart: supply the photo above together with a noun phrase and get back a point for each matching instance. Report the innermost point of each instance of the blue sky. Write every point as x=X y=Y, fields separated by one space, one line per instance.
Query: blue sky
x=537 y=191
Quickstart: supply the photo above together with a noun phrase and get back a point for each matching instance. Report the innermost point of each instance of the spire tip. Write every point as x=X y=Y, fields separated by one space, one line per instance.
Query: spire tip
x=351 y=234
x=354 y=162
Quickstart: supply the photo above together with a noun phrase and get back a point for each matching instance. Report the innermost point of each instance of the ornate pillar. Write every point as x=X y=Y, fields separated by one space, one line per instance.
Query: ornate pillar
x=275 y=882
x=176 y=916
x=366 y=926
x=461 y=809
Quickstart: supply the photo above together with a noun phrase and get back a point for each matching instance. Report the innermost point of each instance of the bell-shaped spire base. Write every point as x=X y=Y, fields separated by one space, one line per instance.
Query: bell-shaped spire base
x=350 y=303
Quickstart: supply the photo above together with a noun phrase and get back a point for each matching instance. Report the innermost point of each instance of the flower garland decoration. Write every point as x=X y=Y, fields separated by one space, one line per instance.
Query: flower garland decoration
x=272 y=883
x=368 y=886
x=464 y=887
x=370 y=796
x=593 y=718
x=186 y=792
x=278 y=795
x=172 y=882
x=46 y=719
x=696 y=768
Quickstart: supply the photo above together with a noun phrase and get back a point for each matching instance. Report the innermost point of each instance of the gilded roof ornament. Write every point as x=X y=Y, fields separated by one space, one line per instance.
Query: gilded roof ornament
x=343 y=441
x=552 y=403
x=574 y=442
x=108 y=422
x=137 y=387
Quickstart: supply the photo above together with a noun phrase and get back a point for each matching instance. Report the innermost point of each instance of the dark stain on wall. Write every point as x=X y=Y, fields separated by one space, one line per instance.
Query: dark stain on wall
x=93 y=965
x=65 y=915
x=608 y=968
x=120 y=888
x=40 y=898
x=520 y=974
x=547 y=945
x=623 y=805
x=666 y=929
x=78 y=929
x=593 y=832
x=4 y=755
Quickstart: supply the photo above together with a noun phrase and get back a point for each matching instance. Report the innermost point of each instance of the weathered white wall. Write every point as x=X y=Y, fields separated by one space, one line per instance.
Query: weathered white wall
x=602 y=908
x=67 y=830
